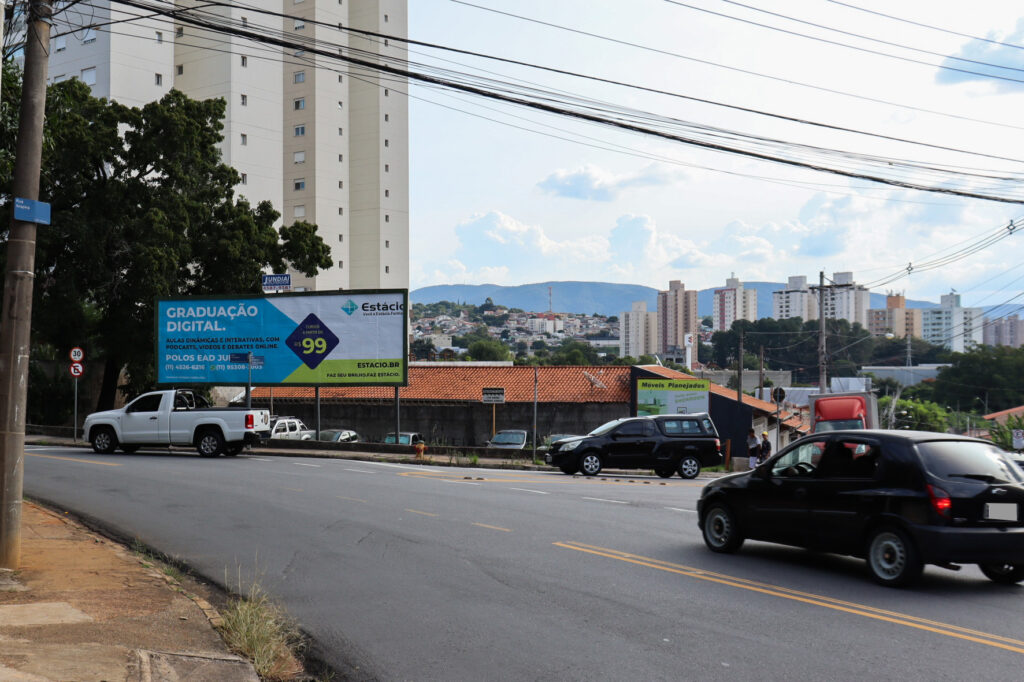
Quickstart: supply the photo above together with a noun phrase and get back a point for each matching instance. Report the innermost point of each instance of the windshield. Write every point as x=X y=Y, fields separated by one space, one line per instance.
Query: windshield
x=509 y=438
x=605 y=428
x=967 y=460
x=838 y=425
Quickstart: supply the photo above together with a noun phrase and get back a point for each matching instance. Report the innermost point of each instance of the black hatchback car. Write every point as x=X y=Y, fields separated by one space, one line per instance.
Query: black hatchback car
x=900 y=499
x=666 y=443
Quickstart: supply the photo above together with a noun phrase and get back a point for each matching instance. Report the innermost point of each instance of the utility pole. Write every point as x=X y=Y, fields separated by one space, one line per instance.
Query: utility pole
x=822 y=358
x=760 y=374
x=15 y=325
x=739 y=376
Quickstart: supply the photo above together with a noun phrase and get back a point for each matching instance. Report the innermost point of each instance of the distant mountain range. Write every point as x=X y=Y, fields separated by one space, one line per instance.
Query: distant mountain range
x=589 y=298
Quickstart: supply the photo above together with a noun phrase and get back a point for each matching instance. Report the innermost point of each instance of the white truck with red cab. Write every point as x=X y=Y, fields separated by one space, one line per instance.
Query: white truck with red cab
x=835 y=411
x=176 y=417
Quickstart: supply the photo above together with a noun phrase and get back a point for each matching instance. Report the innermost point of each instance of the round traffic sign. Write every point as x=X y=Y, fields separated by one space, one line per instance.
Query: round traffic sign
x=77 y=354
x=76 y=369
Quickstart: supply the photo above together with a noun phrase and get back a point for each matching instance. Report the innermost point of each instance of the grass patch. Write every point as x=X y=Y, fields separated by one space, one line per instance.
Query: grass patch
x=151 y=560
x=257 y=628
x=474 y=459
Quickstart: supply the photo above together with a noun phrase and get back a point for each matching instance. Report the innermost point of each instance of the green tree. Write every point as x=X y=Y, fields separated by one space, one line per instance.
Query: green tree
x=1002 y=434
x=422 y=349
x=142 y=208
x=488 y=350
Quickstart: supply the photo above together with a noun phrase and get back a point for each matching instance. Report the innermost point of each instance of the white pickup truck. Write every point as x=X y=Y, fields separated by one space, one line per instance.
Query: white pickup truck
x=176 y=417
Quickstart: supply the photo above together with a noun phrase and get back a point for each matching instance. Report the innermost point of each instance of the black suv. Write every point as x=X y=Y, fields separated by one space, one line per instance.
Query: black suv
x=901 y=499
x=666 y=443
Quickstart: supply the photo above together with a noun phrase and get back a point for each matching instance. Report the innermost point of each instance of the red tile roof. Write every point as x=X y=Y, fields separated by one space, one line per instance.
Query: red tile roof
x=1002 y=415
x=608 y=384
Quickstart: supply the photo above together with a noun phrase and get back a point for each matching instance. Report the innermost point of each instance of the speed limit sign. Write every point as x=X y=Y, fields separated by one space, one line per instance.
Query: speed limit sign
x=77 y=354
x=76 y=369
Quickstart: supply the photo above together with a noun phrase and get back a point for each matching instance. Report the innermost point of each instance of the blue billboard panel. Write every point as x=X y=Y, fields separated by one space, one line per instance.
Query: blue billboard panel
x=354 y=338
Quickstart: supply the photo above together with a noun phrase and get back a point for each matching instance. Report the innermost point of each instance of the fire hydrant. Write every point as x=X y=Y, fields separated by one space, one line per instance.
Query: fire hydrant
x=421 y=447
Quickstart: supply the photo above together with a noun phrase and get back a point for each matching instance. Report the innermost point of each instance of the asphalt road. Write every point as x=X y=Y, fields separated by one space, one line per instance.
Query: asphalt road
x=430 y=573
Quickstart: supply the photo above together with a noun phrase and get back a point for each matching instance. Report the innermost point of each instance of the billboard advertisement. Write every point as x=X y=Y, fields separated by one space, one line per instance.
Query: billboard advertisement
x=352 y=338
x=671 y=396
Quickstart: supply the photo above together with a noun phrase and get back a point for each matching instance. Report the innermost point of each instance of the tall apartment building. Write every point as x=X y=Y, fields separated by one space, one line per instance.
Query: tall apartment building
x=733 y=303
x=324 y=142
x=951 y=326
x=677 y=317
x=638 y=331
x=1004 y=331
x=895 y=318
x=847 y=301
x=796 y=300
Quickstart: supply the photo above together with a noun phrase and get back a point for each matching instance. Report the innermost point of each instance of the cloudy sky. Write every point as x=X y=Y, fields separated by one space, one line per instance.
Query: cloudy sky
x=510 y=196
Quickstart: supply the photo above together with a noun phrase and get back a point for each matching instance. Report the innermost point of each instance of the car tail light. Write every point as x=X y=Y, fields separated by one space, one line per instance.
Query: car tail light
x=250 y=421
x=718 y=445
x=940 y=500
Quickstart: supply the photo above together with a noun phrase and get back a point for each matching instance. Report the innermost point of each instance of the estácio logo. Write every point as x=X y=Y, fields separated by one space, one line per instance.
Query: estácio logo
x=350 y=307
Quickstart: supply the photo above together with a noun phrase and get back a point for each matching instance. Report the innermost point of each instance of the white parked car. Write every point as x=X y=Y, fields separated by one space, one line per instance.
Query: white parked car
x=290 y=428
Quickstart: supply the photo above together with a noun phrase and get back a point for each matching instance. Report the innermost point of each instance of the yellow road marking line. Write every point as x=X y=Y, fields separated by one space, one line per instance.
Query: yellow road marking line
x=75 y=459
x=351 y=499
x=295 y=490
x=416 y=511
x=864 y=610
x=484 y=525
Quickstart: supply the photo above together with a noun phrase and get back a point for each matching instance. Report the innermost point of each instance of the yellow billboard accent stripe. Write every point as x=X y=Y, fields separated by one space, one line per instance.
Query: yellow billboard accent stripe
x=949 y=630
x=75 y=459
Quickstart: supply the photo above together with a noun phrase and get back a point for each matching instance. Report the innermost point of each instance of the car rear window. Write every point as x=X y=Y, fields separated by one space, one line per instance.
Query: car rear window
x=681 y=427
x=967 y=460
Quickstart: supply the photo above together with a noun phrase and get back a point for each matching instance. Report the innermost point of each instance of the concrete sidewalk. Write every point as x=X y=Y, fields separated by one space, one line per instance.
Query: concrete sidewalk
x=83 y=608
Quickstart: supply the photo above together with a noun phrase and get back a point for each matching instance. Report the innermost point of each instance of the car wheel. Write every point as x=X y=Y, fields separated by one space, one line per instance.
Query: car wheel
x=892 y=558
x=590 y=463
x=1004 y=574
x=104 y=440
x=568 y=469
x=689 y=467
x=721 y=534
x=232 y=450
x=129 y=449
x=210 y=443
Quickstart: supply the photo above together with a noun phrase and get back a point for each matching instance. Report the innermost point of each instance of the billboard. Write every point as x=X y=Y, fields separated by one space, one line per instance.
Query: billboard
x=351 y=338
x=671 y=396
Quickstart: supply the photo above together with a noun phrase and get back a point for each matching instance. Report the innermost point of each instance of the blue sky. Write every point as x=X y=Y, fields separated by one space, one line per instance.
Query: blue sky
x=499 y=195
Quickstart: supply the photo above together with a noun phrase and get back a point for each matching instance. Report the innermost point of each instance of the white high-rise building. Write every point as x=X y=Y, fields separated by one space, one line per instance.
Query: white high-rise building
x=949 y=325
x=847 y=301
x=796 y=300
x=677 y=316
x=638 y=331
x=324 y=142
x=733 y=303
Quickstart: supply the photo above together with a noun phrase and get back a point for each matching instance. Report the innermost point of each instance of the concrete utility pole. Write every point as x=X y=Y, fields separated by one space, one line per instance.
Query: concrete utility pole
x=822 y=358
x=15 y=325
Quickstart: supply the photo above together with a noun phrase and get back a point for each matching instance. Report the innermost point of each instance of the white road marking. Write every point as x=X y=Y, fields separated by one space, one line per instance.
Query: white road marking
x=302 y=464
x=257 y=459
x=404 y=466
x=689 y=511
x=445 y=480
x=360 y=471
x=527 y=490
x=601 y=499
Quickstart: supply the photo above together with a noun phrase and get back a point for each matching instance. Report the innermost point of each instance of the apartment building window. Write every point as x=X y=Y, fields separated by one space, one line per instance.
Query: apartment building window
x=60 y=79
x=299 y=184
x=341 y=184
x=386 y=142
x=245 y=22
x=299 y=157
x=341 y=158
x=300 y=52
x=299 y=212
x=179 y=69
x=339 y=78
x=387 y=167
x=179 y=32
x=245 y=178
x=299 y=104
x=88 y=76
x=387 y=269
x=385 y=92
x=387 y=117
x=60 y=43
x=299 y=77
x=300 y=131
x=158 y=79
x=385 y=18
x=245 y=60
x=341 y=105
x=385 y=42
x=387 y=243
x=89 y=35
x=341 y=211
x=159 y=37
x=341 y=131
x=387 y=193
x=298 y=1
x=341 y=264
x=387 y=218
x=245 y=100
x=341 y=237
x=299 y=24
x=245 y=139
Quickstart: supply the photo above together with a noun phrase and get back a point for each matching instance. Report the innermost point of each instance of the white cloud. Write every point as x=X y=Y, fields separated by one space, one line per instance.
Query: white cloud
x=596 y=184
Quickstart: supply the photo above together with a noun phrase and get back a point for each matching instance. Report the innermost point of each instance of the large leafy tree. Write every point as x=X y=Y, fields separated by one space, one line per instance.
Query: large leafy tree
x=142 y=208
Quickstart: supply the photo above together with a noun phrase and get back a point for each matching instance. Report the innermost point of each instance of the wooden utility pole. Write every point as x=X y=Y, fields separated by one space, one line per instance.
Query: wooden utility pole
x=822 y=358
x=15 y=325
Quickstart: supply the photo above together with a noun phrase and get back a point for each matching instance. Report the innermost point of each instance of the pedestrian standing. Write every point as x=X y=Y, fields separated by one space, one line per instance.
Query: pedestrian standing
x=766 y=446
x=753 y=449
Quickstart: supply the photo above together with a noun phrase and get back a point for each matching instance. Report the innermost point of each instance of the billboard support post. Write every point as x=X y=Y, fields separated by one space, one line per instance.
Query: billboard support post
x=316 y=390
x=248 y=386
x=398 y=420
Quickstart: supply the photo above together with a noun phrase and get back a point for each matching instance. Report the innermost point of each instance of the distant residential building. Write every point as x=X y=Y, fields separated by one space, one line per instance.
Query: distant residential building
x=733 y=303
x=639 y=331
x=847 y=300
x=1004 y=331
x=952 y=326
x=896 y=318
x=677 y=316
x=796 y=300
